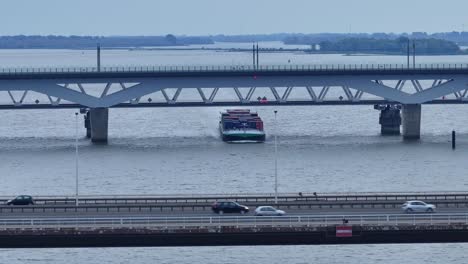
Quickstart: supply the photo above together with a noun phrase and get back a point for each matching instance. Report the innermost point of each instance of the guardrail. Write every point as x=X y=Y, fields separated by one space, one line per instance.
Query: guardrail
x=197 y=195
x=298 y=198
x=230 y=68
x=239 y=221
x=200 y=207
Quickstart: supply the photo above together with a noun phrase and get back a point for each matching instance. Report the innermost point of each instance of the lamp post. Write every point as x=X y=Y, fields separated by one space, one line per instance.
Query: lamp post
x=276 y=160
x=408 y=55
x=98 y=57
x=76 y=158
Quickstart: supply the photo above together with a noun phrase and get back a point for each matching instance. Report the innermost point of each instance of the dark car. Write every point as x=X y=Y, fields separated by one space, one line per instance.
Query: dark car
x=229 y=207
x=21 y=200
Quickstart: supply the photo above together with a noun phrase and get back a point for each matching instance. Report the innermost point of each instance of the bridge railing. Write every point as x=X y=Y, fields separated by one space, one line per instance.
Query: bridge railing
x=155 y=208
x=284 y=198
x=235 y=221
x=230 y=68
x=244 y=194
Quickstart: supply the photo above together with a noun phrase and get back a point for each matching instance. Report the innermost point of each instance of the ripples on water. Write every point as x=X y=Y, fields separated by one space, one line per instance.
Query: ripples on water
x=333 y=254
x=161 y=151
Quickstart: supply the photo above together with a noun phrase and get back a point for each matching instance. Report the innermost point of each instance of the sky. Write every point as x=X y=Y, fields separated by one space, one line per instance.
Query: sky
x=229 y=17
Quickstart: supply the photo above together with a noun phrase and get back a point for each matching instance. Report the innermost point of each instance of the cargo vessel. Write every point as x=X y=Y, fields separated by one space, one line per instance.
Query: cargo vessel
x=241 y=125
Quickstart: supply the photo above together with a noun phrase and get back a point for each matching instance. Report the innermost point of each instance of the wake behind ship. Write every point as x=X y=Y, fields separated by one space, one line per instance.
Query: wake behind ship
x=241 y=125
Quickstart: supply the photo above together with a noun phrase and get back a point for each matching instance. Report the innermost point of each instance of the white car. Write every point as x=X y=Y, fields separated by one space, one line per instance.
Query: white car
x=268 y=210
x=418 y=206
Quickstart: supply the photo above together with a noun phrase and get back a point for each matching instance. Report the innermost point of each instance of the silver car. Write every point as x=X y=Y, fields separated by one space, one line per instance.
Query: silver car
x=418 y=206
x=268 y=210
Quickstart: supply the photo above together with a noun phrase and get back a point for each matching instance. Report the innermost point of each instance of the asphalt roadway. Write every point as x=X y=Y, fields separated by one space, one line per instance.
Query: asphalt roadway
x=209 y=213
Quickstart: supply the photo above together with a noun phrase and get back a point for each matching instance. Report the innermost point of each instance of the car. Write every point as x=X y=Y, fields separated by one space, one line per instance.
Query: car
x=268 y=210
x=229 y=207
x=418 y=206
x=21 y=200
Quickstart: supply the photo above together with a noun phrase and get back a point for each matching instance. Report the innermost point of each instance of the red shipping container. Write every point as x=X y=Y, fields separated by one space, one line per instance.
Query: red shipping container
x=260 y=126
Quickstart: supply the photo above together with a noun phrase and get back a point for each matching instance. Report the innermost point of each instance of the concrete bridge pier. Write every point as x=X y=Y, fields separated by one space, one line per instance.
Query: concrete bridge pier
x=411 y=121
x=389 y=119
x=87 y=124
x=99 y=120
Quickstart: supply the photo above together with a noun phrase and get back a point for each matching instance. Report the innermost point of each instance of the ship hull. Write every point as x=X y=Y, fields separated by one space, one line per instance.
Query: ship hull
x=243 y=137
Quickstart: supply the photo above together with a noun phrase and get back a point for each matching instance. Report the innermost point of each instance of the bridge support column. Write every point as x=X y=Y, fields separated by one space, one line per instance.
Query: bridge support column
x=99 y=119
x=390 y=120
x=87 y=124
x=411 y=121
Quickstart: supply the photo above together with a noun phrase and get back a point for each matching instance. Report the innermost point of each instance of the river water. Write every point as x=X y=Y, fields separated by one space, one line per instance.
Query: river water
x=335 y=254
x=178 y=150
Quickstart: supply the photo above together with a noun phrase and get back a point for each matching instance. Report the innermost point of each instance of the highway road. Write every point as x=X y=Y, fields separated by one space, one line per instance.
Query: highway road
x=208 y=213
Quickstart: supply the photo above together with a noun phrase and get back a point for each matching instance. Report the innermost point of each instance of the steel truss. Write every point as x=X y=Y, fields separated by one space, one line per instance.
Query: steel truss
x=246 y=89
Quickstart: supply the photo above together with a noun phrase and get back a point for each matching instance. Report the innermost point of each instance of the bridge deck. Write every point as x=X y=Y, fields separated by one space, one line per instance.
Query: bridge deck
x=365 y=202
x=383 y=82
x=223 y=104
x=231 y=71
x=216 y=231
x=188 y=220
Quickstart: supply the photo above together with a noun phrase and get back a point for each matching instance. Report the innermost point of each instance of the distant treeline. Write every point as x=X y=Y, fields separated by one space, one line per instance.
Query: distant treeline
x=460 y=38
x=437 y=43
x=250 y=38
x=86 y=42
x=307 y=39
x=390 y=46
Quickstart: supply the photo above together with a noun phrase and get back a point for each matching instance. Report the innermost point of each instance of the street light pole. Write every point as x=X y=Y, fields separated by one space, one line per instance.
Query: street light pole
x=76 y=159
x=408 y=55
x=276 y=161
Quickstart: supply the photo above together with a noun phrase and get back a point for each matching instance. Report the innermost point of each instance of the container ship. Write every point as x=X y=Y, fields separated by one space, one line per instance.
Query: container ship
x=241 y=125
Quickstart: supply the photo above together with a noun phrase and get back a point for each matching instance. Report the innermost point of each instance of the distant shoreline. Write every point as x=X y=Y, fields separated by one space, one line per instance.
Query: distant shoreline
x=244 y=50
x=350 y=44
